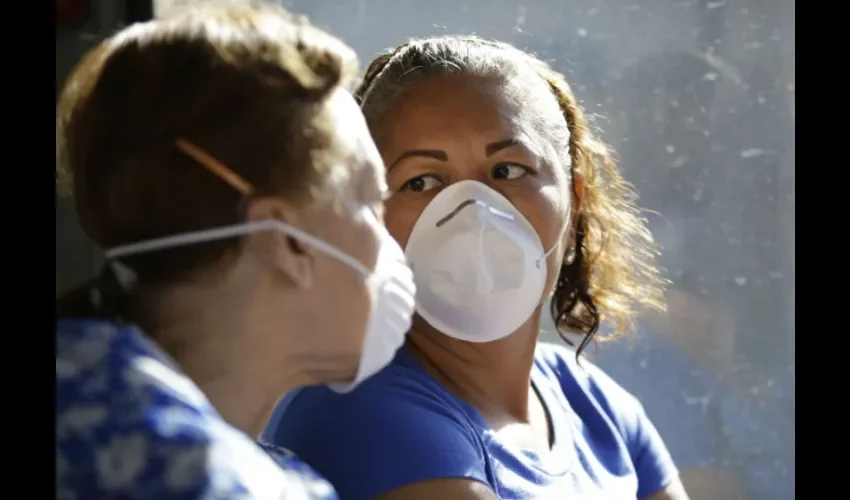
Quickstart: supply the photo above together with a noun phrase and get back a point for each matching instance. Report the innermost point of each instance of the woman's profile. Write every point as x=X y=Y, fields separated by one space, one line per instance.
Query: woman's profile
x=503 y=199
x=230 y=178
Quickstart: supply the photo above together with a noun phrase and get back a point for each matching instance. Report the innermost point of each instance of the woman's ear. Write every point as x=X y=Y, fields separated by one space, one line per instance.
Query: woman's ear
x=280 y=251
x=575 y=210
x=578 y=189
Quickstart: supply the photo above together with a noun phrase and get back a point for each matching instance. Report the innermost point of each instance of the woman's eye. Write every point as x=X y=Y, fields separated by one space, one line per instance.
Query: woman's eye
x=509 y=171
x=421 y=183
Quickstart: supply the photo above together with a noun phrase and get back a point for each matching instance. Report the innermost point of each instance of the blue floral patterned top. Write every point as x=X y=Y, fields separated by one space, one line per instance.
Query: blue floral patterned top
x=131 y=424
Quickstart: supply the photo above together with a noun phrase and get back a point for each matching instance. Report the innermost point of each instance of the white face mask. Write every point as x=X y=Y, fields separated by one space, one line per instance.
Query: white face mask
x=479 y=265
x=391 y=287
x=393 y=293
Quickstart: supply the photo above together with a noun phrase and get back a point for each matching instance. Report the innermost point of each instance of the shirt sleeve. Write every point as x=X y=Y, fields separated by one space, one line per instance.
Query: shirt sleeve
x=378 y=438
x=652 y=461
x=653 y=465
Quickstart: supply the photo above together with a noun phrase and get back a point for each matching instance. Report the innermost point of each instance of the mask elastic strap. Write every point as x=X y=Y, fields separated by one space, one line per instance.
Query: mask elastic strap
x=560 y=235
x=121 y=276
x=108 y=291
x=233 y=231
x=244 y=188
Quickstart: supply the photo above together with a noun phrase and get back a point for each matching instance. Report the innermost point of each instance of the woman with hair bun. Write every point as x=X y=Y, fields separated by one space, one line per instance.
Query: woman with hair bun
x=228 y=174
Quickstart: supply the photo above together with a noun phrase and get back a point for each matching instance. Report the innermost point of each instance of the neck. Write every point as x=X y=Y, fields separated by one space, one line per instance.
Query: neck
x=493 y=377
x=214 y=347
x=235 y=389
x=240 y=402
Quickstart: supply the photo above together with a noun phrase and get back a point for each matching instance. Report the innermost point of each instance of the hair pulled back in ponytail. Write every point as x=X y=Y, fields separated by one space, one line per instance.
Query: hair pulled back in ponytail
x=612 y=272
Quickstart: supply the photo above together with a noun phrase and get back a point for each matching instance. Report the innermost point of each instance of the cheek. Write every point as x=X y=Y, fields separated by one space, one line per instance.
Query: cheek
x=338 y=308
x=354 y=237
x=400 y=216
x=547 y=209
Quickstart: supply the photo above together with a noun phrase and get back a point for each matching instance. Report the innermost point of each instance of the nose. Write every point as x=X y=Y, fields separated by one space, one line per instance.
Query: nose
x=477 y=174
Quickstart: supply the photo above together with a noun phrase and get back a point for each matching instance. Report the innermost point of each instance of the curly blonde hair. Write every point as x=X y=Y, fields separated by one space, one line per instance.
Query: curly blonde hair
x=613 y=272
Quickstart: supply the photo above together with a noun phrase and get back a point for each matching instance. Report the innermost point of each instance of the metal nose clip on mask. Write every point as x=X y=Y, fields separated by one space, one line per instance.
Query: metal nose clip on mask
x=479 y=265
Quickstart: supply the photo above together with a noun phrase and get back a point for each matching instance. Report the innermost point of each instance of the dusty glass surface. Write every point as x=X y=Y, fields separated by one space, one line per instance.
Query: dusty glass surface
x=698 y=98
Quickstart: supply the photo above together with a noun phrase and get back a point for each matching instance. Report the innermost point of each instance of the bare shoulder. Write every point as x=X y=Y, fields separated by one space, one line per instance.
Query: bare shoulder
x=444 y=489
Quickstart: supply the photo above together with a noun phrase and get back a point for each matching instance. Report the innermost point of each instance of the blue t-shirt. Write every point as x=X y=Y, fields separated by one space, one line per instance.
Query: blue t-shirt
x=131 y=424
x=403 y=427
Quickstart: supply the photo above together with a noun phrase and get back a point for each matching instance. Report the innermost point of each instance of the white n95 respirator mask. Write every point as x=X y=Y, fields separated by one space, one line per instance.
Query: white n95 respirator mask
x=390 y=284
x=478 y=264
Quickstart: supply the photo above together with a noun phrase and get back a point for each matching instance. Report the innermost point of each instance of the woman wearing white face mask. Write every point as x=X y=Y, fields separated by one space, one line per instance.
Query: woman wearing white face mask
x=502 y=199
x=231 y=179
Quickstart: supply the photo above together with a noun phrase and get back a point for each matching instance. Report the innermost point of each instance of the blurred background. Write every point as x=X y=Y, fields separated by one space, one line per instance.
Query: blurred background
x=697 y=97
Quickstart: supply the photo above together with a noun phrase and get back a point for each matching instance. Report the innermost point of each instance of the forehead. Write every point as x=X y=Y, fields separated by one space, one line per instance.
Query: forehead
x=354 y=143
x=453 y=107
x=455 y=102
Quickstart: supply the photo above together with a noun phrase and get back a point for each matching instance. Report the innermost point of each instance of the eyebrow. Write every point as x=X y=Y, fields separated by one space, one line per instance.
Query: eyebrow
x=495 y=147
x=438 y=154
